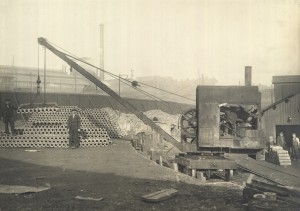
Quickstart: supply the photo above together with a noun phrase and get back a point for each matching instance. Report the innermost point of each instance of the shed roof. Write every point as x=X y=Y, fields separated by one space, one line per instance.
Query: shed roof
x=277 y=102
x=286 y=79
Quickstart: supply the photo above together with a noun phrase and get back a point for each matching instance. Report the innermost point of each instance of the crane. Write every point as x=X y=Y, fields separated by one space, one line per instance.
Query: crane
x=42 y=41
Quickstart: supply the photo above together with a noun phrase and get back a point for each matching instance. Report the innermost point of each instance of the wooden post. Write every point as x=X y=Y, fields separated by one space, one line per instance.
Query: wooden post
x=175 y=167
x=200 y=175
x=160 y=161
x=194 y=173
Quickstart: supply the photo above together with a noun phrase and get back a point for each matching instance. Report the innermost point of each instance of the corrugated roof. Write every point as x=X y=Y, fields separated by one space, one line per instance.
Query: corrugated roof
x=286 y=79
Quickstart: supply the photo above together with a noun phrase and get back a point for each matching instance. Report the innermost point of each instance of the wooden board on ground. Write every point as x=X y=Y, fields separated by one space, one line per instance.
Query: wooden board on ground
x=160 y=195
x=283 y=175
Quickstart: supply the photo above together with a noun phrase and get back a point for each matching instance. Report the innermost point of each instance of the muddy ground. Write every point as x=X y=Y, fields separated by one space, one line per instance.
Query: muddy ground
x=118 y=174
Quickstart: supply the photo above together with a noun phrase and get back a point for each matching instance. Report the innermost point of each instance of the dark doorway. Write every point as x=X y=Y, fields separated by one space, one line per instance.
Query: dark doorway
x=287 y=131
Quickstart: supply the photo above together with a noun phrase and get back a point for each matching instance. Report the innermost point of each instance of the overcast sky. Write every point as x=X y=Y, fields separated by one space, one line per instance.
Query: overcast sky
x=178 y=38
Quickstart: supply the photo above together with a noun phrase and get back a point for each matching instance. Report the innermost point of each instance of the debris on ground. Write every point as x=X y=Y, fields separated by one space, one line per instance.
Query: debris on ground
x=261 y=194
x=21 y=189
x=40 y=177
x=88 y=198
x=160 y=195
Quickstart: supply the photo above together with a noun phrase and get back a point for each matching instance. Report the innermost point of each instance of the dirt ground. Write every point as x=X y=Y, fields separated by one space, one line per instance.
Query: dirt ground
x=118 y=174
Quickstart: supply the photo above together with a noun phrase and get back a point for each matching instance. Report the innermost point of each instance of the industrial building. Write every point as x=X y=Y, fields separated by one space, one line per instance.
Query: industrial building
x=284 y=114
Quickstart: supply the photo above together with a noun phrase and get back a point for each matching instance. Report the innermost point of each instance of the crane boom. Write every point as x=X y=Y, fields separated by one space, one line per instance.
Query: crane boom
x=42 y=41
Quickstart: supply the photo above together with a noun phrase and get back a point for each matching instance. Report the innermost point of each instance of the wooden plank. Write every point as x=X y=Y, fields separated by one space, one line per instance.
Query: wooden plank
x=282 y=175
x=160 y=195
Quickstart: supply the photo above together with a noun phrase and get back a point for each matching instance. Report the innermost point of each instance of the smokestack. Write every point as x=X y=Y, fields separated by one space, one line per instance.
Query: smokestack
x=248 y=76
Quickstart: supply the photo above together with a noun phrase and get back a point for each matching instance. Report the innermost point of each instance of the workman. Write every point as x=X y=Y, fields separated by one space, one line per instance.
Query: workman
x=295 y=147
x=280 y=141
x=74 y=129
x=223 y=124
x=8 y=117
x=231 y=119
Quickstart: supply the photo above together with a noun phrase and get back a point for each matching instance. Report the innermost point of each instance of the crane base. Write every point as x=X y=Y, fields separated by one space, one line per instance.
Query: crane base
x=206 y=164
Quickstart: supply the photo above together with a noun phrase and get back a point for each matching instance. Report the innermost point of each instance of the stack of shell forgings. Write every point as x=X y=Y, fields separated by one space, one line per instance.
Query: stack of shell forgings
x=90 y=135
x=48 y=119
x=17 y=132
x=44 y=128
x=48 y=128
x=279 y=156
x=102 y=118
x=35 y=110
x=94 y=137
x=34 y=141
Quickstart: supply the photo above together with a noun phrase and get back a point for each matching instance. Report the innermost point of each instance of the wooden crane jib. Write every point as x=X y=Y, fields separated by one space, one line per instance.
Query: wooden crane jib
x=42 y=41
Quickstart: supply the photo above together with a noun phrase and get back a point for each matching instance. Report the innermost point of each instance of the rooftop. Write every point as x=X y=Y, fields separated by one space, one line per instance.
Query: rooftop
x=286 y=79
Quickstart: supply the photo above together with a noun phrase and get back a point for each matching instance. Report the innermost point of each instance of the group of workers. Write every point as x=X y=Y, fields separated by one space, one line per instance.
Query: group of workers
x=73 y=123
x=293 y=149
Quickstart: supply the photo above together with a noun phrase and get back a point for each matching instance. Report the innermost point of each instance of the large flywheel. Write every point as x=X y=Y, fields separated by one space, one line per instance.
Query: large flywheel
x=188 y=123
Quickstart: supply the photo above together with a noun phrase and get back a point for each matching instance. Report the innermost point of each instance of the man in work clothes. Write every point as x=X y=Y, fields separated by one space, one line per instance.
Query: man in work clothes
x=74 y=128
x=8 y=117
x=280 y=141
x=295 y=147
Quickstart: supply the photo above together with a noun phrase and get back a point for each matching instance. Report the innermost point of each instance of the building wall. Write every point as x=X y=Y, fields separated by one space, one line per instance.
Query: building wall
x=282 y=90
x=279 y=115
x=90 y=101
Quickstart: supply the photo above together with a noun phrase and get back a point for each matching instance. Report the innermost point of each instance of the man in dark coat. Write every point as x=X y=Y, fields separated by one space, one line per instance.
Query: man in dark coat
x=295 y=147
x=74 y=128
x=280 y=141
x=8 y=117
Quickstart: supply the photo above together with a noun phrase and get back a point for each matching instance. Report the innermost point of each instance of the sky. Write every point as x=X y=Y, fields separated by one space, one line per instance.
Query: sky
x=182 y=39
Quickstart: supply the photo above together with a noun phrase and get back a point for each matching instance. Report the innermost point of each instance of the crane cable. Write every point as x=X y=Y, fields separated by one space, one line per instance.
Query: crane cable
x=152 y=96
x=167 y=91
x=115 y=76
x=125 y=80
x=38 y=81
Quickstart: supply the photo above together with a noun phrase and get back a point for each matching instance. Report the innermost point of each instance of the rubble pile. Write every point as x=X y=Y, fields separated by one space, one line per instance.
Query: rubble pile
x=130 y=122
x=277 y=155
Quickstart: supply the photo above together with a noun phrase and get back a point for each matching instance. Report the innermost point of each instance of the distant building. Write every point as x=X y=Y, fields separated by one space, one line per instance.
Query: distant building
x=284 y=114
x=285 y=86
x=23 y=79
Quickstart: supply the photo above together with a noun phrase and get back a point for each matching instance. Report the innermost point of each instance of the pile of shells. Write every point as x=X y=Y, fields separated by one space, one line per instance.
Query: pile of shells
x=47 y=127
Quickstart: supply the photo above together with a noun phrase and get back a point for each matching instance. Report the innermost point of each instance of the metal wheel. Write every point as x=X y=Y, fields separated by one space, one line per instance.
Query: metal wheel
x=188 y=123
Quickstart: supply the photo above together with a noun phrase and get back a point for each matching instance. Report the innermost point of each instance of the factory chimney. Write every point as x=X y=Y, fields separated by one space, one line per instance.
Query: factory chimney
x=248 y=76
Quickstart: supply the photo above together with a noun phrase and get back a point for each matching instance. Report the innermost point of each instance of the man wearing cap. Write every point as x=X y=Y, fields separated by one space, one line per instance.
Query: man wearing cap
x=8 y=117
x=74 y=128
x=280 y=141
x=295 y=147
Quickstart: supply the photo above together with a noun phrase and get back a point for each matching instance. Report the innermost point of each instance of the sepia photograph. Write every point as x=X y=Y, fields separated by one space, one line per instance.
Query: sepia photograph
x=149 y=105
